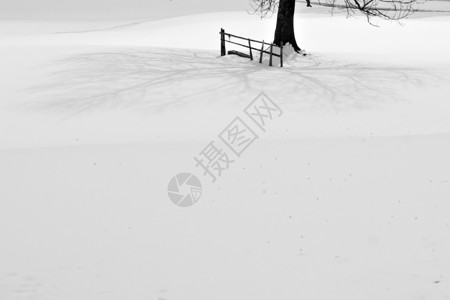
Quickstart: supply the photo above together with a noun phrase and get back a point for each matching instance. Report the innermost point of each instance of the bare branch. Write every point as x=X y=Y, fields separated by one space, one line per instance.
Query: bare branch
x=384 y=9
x=264 y=7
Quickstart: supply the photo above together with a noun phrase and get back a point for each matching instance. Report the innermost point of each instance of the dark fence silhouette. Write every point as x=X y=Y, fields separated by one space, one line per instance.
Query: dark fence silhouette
x=223 y=50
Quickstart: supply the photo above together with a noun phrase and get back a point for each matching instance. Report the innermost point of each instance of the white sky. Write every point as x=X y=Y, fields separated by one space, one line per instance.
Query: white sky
x=101 y=9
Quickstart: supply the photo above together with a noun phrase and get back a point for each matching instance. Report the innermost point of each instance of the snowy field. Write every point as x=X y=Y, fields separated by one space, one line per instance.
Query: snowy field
x=344 y=197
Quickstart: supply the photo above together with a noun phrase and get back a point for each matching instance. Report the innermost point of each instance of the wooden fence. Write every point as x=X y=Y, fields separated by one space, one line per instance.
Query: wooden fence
x=249 y=47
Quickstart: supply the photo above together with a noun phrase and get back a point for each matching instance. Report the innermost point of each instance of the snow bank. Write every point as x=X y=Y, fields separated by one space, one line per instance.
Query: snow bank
x=346 y=196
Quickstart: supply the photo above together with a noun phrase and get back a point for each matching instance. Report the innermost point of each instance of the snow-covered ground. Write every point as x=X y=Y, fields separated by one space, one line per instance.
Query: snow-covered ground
x=346 y=196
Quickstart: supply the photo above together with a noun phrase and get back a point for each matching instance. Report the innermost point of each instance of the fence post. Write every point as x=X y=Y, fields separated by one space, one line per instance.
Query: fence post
x=250 y=48
x=222 y=42
x=271 y=50
x=281 y=55
x=261 y=54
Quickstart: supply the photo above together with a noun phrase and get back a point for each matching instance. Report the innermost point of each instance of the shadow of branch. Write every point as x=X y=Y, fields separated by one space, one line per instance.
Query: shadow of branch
x=155 y=80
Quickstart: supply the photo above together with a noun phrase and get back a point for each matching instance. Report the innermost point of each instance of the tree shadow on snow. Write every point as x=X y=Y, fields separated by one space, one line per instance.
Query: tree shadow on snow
x=155 y=80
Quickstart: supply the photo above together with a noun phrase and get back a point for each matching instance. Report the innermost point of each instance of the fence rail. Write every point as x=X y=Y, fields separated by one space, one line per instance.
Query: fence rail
x=223 y=50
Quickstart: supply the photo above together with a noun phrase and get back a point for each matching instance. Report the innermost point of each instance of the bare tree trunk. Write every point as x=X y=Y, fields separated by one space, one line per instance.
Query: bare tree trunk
x=284 y=32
